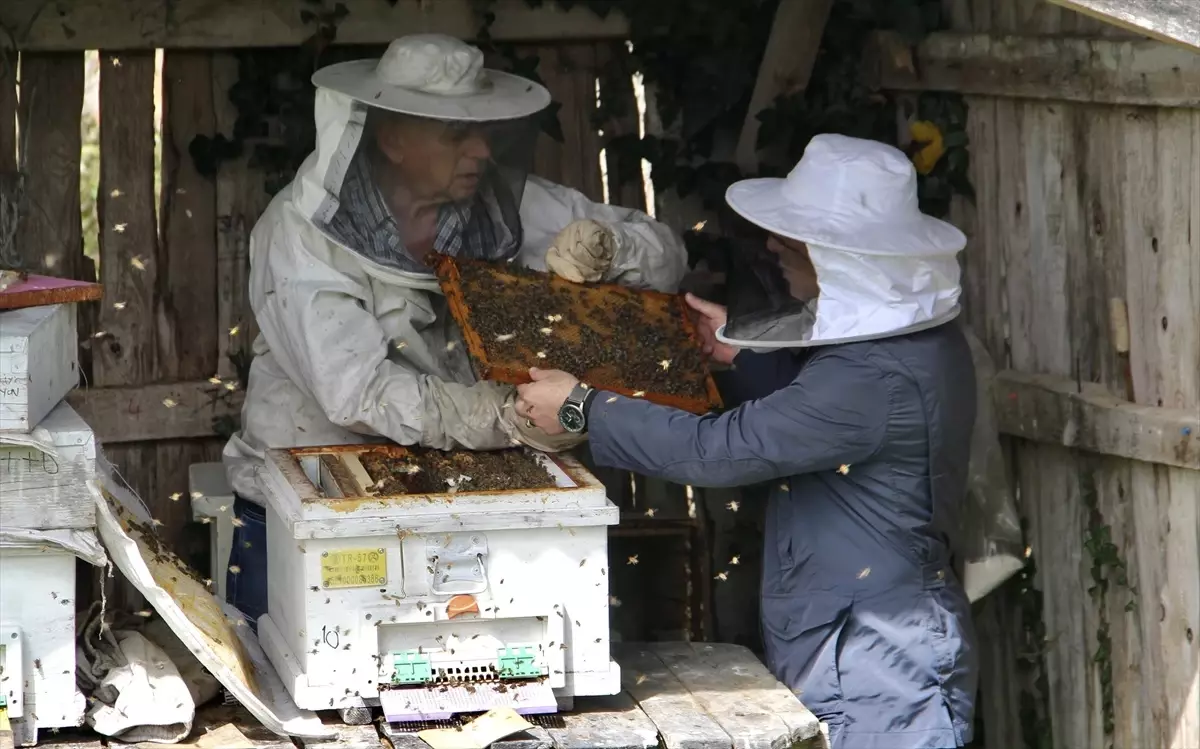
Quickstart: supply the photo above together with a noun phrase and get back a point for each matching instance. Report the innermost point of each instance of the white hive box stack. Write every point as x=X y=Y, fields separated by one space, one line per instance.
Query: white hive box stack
x=47 y=455
x=430 y=604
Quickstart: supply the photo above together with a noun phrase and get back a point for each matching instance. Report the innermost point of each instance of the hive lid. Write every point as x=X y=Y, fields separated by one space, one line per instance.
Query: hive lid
x=212 y=630
x=628 y=341
x=37 y=291
x=315 y=488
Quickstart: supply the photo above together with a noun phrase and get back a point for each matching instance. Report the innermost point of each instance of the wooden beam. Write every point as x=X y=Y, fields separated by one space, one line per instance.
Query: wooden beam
x=148 y=24
x=786 y=66
x=1057 y=411
x=177 y=410
x=1176 y=21
x=1108 y=71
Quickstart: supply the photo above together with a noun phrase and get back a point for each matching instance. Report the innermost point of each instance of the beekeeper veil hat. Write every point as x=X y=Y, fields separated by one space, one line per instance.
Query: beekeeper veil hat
x=423 y=149
x=883 y=267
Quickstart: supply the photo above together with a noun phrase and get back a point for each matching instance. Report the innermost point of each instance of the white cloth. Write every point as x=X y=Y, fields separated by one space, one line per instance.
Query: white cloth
x=883 y=268
x=138 y=694
x=434 y=75
x=351 y=351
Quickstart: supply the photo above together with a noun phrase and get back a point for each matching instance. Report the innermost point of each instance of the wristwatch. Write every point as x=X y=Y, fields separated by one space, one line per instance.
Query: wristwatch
x=572 y=415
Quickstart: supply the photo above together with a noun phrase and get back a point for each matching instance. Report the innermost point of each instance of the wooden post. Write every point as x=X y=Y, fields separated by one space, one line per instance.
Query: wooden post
x=8 y=111
x=787 y=63
x=49 y=238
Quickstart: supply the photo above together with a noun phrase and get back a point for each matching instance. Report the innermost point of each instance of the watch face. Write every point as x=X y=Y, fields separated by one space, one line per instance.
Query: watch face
x=571 y=417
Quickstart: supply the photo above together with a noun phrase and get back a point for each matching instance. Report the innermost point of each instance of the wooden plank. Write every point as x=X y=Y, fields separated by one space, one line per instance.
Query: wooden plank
x=127 y=353
x=176 y=410
x=569 y=72
x=49 y=238
x=1012 y=225
x=605 y=723
x=1050 y=211
x=681 y=722
x=765 y=714
x=211 y=720
x=1168 y=375
x=148 y=24
x=188 y=344
x=786 y=66
x=8 y=112
x=1176 y=21
x=1053 y=484
x=625 y=185
x=1137 y=72
x=240 y=200
x=1057 y=411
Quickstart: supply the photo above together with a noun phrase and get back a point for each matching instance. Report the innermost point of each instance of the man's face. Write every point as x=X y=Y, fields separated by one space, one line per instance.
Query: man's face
x=437 y=161
x=797 y=268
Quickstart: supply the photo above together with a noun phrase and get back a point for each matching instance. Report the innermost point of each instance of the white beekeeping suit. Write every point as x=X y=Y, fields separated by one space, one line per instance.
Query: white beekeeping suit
x=423 y=150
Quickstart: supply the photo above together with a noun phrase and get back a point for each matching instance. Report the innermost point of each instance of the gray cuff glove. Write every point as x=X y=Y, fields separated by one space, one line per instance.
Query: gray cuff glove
x=465 y=416
x=482 y=416
x=582 y=252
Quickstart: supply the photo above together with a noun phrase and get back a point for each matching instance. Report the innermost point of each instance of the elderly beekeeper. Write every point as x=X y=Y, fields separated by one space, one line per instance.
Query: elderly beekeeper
x=423 y=150
x=859 y=399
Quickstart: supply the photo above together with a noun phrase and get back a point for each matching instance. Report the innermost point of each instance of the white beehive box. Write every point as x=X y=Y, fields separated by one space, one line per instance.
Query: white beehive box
x=38 y=363
x=37 y=639
x=361 y=585
x=44 y=474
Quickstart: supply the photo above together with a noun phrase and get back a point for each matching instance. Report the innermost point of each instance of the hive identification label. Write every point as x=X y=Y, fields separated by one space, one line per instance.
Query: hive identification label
x=353 y=568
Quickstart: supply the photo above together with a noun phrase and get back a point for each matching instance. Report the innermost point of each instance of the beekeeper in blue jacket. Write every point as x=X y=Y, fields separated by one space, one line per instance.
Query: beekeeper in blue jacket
x=859 y=404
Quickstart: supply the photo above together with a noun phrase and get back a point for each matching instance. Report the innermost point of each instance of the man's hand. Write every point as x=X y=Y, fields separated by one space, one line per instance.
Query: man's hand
x=582 y=252
x=709 y=318
x=540 y=400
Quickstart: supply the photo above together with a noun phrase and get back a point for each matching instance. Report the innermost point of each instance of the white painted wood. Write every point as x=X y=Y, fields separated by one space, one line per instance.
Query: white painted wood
x=43 y=482
x=37 y=601
x=535 y=562
x=38 y=363
x=212 y=498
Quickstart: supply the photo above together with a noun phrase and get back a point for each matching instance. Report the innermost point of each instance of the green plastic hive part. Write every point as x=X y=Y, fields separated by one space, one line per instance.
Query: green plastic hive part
x=517 y=663
x=411 y=667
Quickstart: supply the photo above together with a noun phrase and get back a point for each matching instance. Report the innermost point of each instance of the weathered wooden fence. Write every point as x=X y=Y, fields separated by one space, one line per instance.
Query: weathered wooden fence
x=1083 y=276
x=162 y=350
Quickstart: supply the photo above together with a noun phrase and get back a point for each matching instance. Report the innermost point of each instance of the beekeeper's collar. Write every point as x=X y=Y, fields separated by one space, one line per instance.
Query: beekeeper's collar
x=883 y=267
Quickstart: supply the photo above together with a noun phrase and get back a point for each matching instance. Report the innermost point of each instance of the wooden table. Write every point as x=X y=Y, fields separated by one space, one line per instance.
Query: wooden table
x=676 y=695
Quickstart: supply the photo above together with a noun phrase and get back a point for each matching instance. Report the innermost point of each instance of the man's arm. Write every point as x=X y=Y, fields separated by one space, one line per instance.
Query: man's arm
x=835 y=412
x=316 y=321
x=647 y=254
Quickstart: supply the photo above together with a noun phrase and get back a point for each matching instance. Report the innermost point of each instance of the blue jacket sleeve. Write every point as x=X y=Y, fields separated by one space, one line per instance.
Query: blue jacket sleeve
x=834 y=412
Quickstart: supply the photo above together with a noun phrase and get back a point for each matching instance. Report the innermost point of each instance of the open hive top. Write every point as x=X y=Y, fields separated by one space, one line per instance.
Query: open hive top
x=385 y=487
x=392 y=471
x=632 y=342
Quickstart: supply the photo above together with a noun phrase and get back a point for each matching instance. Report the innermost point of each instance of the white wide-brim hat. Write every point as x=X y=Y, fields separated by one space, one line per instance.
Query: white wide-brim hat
x=847 y=194
x=436 y=76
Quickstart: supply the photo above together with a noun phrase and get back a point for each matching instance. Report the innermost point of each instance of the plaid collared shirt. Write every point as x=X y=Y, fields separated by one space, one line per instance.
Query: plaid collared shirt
x=475 y=228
